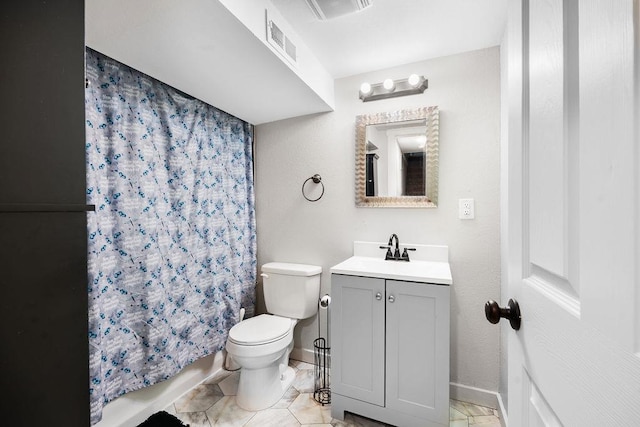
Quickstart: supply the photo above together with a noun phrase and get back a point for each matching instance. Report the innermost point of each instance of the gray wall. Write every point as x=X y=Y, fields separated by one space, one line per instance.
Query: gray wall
x=466 y=87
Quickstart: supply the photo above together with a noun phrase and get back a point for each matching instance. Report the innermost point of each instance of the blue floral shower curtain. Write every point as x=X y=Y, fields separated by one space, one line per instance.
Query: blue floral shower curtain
x=172 y=244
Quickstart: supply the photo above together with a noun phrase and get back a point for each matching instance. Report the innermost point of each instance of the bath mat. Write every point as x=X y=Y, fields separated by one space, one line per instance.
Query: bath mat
x=162 y=419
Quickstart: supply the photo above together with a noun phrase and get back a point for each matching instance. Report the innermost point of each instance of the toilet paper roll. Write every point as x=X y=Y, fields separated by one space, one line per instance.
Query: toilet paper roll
x=325 y=301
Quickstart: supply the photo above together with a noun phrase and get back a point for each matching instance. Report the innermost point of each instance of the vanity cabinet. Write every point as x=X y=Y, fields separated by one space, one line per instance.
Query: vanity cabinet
x=390 y=350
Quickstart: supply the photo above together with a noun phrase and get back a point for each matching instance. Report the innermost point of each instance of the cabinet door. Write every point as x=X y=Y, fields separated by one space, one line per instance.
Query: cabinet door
x=42 y=144
x=418 y=349
x=357 y=335
x=44 y=348
x=44 y=354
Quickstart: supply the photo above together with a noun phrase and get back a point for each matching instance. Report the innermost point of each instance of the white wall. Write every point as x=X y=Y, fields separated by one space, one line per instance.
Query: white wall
x=252 y=14
x=466 y=88
x=212 y=50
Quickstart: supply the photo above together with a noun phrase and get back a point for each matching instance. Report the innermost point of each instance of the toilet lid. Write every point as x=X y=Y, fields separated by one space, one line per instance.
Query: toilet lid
x=261 y=329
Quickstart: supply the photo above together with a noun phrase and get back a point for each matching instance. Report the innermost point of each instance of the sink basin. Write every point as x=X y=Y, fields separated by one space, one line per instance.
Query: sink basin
x=429 y=264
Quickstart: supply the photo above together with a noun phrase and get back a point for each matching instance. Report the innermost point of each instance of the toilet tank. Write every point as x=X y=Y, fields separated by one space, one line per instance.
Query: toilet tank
x=291 y=290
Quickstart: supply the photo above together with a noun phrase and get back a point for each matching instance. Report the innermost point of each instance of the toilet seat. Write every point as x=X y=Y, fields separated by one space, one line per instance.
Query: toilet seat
x=260 y=330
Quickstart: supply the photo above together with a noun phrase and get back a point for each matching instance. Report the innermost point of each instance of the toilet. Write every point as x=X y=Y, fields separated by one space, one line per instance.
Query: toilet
x=261 y=345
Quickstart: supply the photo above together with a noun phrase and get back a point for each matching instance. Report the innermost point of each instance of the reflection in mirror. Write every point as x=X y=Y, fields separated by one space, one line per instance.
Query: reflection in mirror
x=397 y=158
x=396 y=155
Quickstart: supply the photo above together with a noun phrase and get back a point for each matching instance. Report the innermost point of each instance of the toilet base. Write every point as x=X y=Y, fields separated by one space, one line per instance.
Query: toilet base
x=272 y=382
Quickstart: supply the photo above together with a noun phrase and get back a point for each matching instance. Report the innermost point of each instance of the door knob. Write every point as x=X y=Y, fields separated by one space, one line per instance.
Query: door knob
x=392 y=298
x=378 y=296
x=512 y=312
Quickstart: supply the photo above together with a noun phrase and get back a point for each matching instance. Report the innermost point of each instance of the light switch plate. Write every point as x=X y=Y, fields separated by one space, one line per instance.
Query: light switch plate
x=466 y=209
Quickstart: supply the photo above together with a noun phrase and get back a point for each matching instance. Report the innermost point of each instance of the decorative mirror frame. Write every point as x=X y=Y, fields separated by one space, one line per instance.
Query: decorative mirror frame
x=430 y=200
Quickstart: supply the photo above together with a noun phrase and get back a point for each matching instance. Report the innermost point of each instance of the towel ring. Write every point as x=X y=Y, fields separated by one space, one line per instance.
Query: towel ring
x=317 y=179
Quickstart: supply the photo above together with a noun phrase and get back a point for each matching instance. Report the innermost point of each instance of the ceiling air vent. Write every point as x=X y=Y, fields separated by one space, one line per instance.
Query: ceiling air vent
x=329 y=9
x=279 y=40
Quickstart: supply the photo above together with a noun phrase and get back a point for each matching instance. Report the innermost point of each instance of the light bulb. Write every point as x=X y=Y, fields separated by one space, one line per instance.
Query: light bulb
x=389 y=85
x=414 y=80
x=365 y=88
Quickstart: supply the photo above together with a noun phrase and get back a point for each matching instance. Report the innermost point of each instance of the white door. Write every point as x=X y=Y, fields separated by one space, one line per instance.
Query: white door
x=573 y=212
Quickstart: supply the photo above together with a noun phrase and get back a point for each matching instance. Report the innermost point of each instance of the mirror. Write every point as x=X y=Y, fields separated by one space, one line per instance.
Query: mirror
x=397 y=158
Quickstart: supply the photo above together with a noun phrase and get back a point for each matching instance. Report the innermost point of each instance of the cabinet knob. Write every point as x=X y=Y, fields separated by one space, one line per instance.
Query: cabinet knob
x=378 y=296
x=392 y=298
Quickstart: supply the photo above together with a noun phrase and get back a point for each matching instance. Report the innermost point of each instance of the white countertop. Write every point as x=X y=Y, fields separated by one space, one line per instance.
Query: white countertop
x=429 y=264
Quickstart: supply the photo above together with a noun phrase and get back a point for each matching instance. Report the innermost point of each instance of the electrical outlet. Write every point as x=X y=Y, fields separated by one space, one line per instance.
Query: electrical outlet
x=465 y=209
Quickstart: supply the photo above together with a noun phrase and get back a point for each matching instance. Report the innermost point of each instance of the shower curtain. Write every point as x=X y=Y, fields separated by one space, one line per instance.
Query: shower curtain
x=172 y=243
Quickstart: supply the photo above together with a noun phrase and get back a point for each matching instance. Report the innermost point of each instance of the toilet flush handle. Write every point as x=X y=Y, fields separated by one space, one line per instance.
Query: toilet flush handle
x=264 y=275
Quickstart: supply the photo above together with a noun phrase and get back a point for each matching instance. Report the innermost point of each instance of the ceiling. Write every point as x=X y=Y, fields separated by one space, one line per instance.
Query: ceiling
x=216 y=50
x=201 y=48
x=396 y=32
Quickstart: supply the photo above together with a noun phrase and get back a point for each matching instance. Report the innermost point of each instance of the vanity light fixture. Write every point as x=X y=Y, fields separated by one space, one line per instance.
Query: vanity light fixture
x=412 y=85
x=413 y=80
x=365 y=88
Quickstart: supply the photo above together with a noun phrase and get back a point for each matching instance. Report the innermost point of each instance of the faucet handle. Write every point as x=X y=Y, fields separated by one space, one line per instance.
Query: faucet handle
x=388 y=255
x=396 y=254
x=405 y=254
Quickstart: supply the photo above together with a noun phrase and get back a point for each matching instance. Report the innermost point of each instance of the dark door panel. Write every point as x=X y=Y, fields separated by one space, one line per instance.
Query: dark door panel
x=43 y=319
x=42 y=114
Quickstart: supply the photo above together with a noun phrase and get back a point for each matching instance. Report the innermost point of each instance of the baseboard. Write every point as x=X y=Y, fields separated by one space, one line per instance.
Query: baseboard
x=302 y=354
x=504 y=420
x=135 y=407
x=479 y=396
x=473 y=395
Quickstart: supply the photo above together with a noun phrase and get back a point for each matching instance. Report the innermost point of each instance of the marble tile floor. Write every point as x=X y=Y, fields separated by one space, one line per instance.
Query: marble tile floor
x=212 y=404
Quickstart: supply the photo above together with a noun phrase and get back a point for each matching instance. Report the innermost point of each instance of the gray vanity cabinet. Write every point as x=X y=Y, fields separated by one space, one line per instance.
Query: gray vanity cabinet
x=390 y=350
